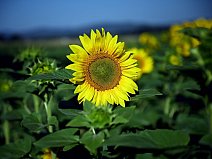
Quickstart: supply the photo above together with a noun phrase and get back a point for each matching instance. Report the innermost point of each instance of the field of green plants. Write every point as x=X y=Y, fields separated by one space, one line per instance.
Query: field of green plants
x=44 y=115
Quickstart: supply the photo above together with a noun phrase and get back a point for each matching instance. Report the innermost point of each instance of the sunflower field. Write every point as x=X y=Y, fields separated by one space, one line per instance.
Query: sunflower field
x=103 y=96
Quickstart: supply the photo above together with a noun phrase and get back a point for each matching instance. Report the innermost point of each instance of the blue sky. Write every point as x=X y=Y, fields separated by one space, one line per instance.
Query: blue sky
x=21 y=15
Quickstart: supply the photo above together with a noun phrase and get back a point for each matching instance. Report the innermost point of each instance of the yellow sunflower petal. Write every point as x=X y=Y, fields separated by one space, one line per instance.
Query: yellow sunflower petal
x=101 y=51
x=98 y=41
x=112 y=45
x=78 y=50
x=131 y=72
x=75 y=58
x=108 y=97
x=125 y=56
x=90 y=93
x=120 y=49
x=78 y=74
x=79 y=88
x=75 y=67
x=108 y=38
x=86 y=43
x=128 y=84
x=81 y=96
x=128 y=62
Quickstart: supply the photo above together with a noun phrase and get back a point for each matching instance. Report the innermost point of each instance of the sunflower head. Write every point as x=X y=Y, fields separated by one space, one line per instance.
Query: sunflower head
x=145 y=62
x=175 y=60
x=104 y=71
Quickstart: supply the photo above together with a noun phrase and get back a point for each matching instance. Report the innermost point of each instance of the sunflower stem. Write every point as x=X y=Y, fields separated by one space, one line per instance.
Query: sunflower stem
x=6 y=130
x=94 y=132
x=6 y=126
x=167 y=105
x=36 y=103
x=210 y=118
x=48 y=113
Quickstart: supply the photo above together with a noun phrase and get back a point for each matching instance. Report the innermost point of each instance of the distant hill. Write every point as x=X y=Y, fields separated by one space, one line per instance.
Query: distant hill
x=114 y=28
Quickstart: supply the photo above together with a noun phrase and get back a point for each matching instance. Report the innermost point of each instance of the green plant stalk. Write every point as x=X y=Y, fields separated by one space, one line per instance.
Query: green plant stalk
x=6 y=130
x=25 y=107
x=48 y=114
x=210 y=118
x=199 y=58
x=36 y=103
x=209 y=75
x=167 y=105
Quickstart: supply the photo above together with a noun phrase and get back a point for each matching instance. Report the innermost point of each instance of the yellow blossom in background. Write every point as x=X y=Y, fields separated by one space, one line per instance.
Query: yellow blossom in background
x=5 y=85
x=182 y=42
x=149 y=40
x=145 y=62
x=194 y=42
x=203 y=23
x=183 y=49
x=47 y=154
x=104 y=71
x=174 y=60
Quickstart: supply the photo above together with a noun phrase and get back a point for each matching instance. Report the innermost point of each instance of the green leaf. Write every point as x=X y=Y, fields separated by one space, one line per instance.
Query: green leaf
x=32 y=122
x=53 y=121
x=188 y=85
x=145 y=93
x=61 y=74
x=19 y=89
x=123 y=115
x=143 y=118
x=70 y=112
x=59 y=138
x=120 y=120
x=152 y=139
x=199 y=33
x=15 y=114
x=65 y=91
x=149 y=156
x=16 y=150
x=92 y=141
x=191 y=124
x=79 y=121
x=206 y=140
x=87 y=106
x=69 y=147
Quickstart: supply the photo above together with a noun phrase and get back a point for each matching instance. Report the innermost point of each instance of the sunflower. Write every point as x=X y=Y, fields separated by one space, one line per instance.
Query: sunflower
x=104 y=72
x=175 y=60
x=145 y=62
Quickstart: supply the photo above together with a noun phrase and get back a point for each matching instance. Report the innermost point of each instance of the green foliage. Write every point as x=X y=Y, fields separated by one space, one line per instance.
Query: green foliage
x=32 y=122
x=170 y=116
x=92 y=141
x=16 y=150
x=61 y=74
x=150 y=139
x=59 y=138
x=206 y=140
x=145 y=93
